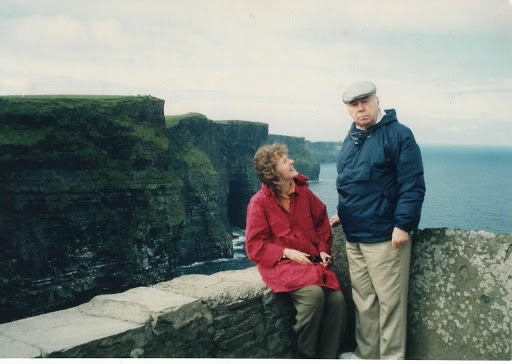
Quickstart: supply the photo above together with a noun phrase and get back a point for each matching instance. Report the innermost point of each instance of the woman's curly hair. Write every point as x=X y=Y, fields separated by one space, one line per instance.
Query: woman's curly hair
x=265 y=161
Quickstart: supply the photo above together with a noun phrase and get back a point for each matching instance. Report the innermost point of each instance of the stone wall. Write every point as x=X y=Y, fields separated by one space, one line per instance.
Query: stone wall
x=226 y=315
x=460 y=308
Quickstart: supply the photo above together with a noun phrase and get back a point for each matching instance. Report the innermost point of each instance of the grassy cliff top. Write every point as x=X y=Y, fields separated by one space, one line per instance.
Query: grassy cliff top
x=172 y=120
x=240 y=122
x=82 y=131
x=41 y=104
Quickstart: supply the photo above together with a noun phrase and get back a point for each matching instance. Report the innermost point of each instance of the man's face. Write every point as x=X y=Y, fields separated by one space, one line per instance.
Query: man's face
x=364 y=111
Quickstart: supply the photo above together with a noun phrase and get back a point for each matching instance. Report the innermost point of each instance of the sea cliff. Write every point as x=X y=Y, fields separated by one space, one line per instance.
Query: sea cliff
x=324 y=152
x=99 y=194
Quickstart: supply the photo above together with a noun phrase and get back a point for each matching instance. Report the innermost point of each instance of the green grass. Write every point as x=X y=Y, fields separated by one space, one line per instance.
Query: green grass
x=173 y=120
x=22 y=137
x=39 y=104
x=144 y=132
x=197 y=160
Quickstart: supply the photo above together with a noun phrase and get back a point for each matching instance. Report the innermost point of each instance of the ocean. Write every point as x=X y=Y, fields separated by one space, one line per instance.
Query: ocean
x=468 y=188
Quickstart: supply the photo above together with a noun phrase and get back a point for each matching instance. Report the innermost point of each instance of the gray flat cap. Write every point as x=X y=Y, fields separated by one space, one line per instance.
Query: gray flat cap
x=358 y=90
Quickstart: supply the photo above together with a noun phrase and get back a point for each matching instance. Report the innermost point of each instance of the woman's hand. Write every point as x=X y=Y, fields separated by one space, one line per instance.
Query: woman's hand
x=326 y=259
x=297 y=256
x=335 y=220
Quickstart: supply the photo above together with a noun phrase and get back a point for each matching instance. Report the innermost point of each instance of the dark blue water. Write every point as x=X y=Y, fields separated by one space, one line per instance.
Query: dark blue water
x=468 y=188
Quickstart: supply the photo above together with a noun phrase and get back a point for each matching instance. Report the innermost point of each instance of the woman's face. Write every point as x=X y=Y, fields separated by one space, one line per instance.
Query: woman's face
x=285 y=168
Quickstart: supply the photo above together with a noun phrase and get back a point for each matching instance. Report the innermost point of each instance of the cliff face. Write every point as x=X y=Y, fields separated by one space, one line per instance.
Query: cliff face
x=298 y=150
x=87 y=196
x=214 y=159
x=97 y=195
x=239 y=141
x=325 y=152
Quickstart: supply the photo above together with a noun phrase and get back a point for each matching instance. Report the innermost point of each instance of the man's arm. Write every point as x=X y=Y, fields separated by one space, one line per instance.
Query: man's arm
x=411 y=188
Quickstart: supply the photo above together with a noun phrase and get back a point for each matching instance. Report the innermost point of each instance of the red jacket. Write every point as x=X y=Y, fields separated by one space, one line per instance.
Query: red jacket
x=270 y=229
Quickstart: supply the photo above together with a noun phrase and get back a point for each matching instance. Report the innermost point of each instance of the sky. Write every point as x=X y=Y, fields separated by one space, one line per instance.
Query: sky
x=444 y=65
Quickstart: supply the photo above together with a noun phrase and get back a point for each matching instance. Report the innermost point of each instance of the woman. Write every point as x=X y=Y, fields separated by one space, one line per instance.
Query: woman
x=287 y=231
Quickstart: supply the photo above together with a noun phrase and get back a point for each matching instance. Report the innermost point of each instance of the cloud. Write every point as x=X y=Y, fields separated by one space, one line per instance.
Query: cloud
x=53 y=30
x=281 y=62
x=40 y=31
x=106 y=30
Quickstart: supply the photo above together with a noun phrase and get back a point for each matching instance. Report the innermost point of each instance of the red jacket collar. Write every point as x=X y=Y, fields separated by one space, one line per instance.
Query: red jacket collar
x=300 y=181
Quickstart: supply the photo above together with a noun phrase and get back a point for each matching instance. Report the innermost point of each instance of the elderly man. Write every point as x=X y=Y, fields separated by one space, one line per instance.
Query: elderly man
x=380 y=193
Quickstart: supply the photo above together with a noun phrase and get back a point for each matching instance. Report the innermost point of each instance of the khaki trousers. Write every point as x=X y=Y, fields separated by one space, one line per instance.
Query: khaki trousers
x=321 y=318
x=379 y=275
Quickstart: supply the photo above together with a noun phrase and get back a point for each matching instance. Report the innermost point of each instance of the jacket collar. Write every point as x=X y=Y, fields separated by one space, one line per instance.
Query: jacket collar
x=300 y=182
x=359 y=136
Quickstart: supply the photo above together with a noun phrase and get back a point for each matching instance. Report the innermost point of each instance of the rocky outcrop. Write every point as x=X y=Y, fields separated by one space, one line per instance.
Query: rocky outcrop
x=459 y=309
x=99 y=194
x=304 y=160
x=325 y=152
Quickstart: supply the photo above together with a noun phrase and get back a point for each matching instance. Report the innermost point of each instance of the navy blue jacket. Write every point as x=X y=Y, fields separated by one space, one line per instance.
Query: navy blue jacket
x=380 y=181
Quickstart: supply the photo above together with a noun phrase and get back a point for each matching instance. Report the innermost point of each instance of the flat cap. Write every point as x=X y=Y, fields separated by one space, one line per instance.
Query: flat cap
x=358 y=90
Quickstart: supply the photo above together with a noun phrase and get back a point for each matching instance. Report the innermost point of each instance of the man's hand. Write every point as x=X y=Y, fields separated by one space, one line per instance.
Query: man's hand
x=399 y=237
x=297 y=256
x=335 y=220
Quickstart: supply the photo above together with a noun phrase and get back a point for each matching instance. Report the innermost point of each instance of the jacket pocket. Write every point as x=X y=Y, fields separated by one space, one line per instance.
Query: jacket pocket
x=358 y=174
x=294 y=275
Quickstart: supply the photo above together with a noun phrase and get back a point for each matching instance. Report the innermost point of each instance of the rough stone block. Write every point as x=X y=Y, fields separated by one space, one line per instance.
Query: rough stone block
x=148 y=305
x=244 y=318
x=460 y=302
x=239 y=327
x=220 y=289
x=10 y=348
x=70 y=333
x=280 y=341
x=176 y=320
